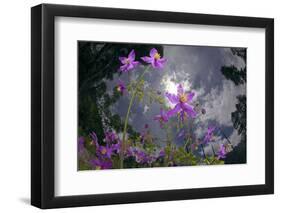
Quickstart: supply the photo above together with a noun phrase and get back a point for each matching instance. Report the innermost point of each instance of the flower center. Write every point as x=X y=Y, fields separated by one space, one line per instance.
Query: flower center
x=98 y=167
x=103 y=151
x=119 y=88
x=127 y=61
x=183 y=98
x=157 y=56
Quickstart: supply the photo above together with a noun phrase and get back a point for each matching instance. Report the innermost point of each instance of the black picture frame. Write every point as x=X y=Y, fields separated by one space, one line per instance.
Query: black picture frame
x=43 y=102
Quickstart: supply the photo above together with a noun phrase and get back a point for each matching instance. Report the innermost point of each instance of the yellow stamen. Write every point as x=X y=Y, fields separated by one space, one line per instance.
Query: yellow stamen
x=98 y=167
x=157 y=56
x=103 y=151
x=127 y=61
x=183 y=98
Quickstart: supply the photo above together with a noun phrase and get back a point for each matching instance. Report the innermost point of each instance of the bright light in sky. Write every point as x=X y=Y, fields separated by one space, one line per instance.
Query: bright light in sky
x=171 y=86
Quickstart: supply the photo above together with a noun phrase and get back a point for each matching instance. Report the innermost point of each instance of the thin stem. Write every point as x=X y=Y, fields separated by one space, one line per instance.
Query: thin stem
x=127 y=118
x=224 y=135
x=202 y=147
x=213 y=149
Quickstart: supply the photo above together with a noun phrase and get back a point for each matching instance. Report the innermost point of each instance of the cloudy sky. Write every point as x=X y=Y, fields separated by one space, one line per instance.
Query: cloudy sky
x=199 y=70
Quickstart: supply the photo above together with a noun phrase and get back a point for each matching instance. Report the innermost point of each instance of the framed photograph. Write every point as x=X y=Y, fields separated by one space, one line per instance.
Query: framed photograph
x=139 y=106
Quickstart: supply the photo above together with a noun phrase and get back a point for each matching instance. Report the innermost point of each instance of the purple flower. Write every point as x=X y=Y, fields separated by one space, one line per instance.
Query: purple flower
x=94 y=139
x=128 y=63
x=155 y=59
x=104 y=151
x=222 y=152
x=182 y=103
x=209 y=134
x=101 y=164
x=110 y=137
x=161 y=154
x=129 y=152
x=121 y=87
x=81 y=144
x=117 y=146
x=162 y=118
x=140 y=156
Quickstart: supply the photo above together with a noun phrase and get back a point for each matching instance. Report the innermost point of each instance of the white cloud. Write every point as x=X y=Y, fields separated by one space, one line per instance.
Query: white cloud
x=219 y=103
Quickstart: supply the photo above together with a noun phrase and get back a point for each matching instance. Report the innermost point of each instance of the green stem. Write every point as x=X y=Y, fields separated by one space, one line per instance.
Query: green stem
x=127 y=118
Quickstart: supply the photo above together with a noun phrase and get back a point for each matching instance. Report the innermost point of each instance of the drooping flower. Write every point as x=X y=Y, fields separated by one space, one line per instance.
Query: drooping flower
x=101 y=164
x=222 y=152
x=162 y=117
x=81 y=144
x=182 y=103
x=154 y=59
x=121 y=87
x=128 y=63
x=209 y=134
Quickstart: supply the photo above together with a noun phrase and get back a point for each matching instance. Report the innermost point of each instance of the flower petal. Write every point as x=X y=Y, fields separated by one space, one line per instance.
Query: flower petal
x=124 y=68
x=173 y=111
x=190 y=96
x=123 y=60
x=147 y=59
x=135 y=63
x=172 y=98
x=188 y=109
x=130 y=67
x=158 y=64
x=180 y=89
x=162 y=60
x=132 y=55
x=152 y=53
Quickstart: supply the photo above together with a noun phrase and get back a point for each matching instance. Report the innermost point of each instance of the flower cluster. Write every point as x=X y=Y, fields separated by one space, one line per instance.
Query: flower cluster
x=154 y=58
x=143 y=157
x=105 y=152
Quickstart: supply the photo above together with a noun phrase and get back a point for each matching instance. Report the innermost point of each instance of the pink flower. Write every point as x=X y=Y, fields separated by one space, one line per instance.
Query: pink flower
x=155 y=59
x=182 y=103
x=162 y=117
x=222 y=152
x=209 y=134
x=128 y=63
